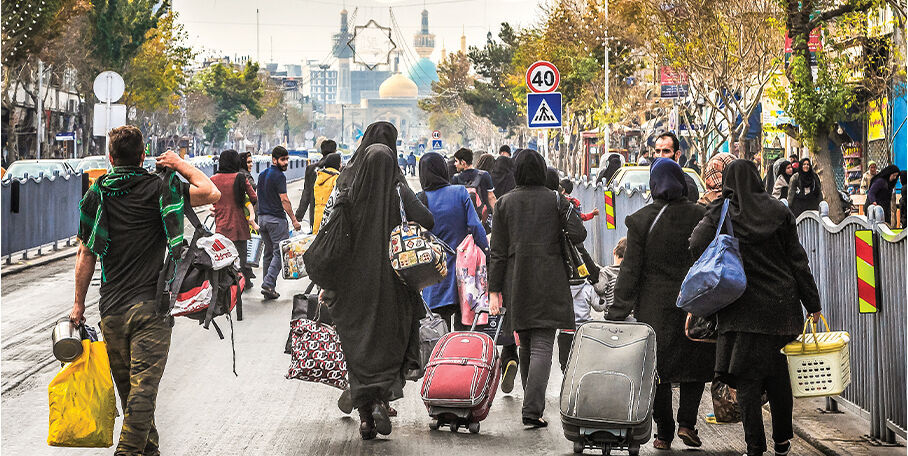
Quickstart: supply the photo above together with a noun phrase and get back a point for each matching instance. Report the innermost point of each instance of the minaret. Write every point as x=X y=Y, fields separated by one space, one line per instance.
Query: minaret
x=343 y=54
x=424 y=42
x=463 y=42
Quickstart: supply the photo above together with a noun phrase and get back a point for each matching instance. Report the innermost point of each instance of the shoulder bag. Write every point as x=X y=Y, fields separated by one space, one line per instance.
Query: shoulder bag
x=717 y=278
x=315 y=353
x=327 y=259
x=417 y=256
x=574 y=262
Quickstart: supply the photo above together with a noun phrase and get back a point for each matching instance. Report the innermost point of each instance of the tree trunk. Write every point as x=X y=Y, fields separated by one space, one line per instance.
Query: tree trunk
x=822 y=162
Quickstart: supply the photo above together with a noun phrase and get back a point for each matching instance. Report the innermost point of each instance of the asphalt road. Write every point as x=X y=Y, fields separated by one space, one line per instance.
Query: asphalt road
x=204 y=410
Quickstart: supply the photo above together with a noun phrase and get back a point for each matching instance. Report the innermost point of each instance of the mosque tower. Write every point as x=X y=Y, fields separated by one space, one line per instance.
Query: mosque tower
x=423 y=72
x=343 y=54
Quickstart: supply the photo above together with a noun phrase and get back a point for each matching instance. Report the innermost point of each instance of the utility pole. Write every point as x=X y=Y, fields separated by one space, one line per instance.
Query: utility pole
x=605 y=127
x=257 y=59
x=39 y=107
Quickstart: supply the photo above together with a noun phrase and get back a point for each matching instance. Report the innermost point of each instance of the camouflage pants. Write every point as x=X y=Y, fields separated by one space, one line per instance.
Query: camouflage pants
x=138 y=342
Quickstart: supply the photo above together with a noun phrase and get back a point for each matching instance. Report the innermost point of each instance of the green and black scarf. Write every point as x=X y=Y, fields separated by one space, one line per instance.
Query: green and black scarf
x=94 y=229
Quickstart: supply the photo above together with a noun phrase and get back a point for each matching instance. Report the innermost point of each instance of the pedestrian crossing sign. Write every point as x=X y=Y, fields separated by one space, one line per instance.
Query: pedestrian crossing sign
x=544 y=110
x=436 y=144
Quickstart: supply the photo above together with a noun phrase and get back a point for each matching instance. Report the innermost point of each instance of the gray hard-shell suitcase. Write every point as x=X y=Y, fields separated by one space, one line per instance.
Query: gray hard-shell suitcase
x=607 y=392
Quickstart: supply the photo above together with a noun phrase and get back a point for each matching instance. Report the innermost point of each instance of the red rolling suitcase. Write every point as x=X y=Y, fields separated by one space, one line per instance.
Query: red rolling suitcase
x=461 y=379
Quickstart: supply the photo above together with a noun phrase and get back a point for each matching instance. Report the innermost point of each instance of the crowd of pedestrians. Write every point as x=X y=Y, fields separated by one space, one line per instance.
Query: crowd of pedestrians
x=519 y=212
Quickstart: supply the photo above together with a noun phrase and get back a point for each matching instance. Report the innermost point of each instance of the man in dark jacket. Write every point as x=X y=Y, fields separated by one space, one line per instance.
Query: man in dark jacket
x=668 y=146
x=411 y=163
x=307 y=200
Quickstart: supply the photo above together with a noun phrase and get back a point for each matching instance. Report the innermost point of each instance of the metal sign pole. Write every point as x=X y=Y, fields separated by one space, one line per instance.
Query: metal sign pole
x=107 y=125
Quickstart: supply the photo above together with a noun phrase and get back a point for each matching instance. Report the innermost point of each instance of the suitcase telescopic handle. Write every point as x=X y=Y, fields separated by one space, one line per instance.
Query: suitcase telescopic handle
x=486 y=311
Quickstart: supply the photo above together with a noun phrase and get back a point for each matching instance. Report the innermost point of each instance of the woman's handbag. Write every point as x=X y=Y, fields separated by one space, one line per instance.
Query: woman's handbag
x=700 y=329
x=418 y=257
x=717 y=279
x=574 y=263
x=431 y=329
x=315 y=353
x=328 y=257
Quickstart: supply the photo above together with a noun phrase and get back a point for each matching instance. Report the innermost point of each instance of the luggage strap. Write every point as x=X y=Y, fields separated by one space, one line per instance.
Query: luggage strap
x=459 y=362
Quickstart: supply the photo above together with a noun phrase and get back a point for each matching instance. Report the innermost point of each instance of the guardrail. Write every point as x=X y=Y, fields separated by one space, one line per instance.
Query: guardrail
x=878 y=340
x=45 y=210
x=39 y=211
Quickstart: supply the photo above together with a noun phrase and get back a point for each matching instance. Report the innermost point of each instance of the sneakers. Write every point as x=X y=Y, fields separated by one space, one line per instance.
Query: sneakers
x=689 y=437
x=507 y=380
x=269 y=293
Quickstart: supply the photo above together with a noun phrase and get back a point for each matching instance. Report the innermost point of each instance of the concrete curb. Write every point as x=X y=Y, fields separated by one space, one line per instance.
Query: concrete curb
x=40 y=261
x=804 y=434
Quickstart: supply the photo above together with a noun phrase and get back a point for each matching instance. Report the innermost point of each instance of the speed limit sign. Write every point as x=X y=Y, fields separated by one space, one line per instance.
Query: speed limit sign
x=543 y=77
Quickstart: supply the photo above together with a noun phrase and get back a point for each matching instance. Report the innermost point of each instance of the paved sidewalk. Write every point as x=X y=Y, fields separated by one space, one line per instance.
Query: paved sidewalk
x=838 y=433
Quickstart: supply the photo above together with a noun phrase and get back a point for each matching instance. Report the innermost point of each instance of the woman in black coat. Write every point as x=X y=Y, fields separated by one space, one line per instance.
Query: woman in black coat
x=804 y=189
x=526 y=267
x=880 y=192
x=377 y=316
x=655 y=263
x=768 y=315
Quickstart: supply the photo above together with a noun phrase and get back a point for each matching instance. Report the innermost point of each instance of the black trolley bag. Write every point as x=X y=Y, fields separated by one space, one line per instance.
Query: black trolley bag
x=607 y=392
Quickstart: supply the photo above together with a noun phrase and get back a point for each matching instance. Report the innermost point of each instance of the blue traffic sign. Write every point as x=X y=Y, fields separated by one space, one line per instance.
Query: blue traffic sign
x=544 y=110
x=436 y=144
x=421 y=148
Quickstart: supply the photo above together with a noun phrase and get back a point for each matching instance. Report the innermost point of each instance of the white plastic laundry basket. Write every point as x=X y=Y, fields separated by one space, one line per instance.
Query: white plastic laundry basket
x=819 y=364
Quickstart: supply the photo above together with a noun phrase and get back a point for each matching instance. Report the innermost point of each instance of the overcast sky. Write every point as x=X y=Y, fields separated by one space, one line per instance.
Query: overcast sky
x=302 y=29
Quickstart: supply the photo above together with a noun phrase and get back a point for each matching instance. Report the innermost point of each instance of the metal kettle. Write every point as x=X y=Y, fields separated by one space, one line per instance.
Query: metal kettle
x=67 y=340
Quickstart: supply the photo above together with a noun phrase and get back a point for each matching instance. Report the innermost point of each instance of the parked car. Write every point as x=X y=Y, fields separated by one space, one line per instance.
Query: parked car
x=638 y=177
x=95 y=166
x=34 y=168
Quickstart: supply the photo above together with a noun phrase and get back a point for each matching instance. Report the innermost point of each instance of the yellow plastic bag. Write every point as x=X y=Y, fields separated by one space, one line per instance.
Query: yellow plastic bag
x=82 y=401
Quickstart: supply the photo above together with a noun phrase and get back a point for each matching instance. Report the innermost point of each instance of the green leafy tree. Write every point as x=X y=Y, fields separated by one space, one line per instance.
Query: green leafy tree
x=157 y=75
x=232 y=90
x=817 y=100
x=491 y=96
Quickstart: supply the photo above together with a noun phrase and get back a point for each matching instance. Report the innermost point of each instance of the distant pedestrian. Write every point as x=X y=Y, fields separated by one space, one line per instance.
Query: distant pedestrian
x=246 y=168
x=129 y=218
x=654 y=266
x=486 y=163
x=692 y=164
x=503 y=175
x=325 y=178
x=712 y=177
x=772 y=174
x=804 y=190
x=567 y=187
x=780 y=189
x=668 y=146
x=868 y=176
x=402 y=162
x=612 y=165
x=306 y=206
x=274 y=209
x=608 y=276
x=504 y=151
x=526 y=247
x=229 y=218
x=880 y=193
x=768 y=315
x=477 y=182
x=411 y=163
x=455 y=219
x=377 y=315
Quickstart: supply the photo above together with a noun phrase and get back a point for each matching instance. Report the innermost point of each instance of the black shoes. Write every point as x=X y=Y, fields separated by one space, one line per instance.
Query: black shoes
x=535 y=423
x=381 y=419
x=269 y=293
x=689 y=437
x=782 y=449
x=507 y=380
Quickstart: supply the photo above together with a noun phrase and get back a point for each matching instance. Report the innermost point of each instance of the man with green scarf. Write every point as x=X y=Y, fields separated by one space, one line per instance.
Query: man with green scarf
x=128 y=219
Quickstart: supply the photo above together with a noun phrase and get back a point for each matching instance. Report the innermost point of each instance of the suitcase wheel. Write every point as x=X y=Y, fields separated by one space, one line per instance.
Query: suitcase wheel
x=433 y=425
x=474 y=428
x=578 y=447
x=634 y=450
x=454 y=427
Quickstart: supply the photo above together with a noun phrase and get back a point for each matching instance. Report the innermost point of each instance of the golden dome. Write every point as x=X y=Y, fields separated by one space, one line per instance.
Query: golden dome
x=398 y=86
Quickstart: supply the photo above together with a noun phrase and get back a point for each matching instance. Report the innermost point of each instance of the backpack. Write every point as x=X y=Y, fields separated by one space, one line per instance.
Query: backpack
x=190 y=286
x=482 y=208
